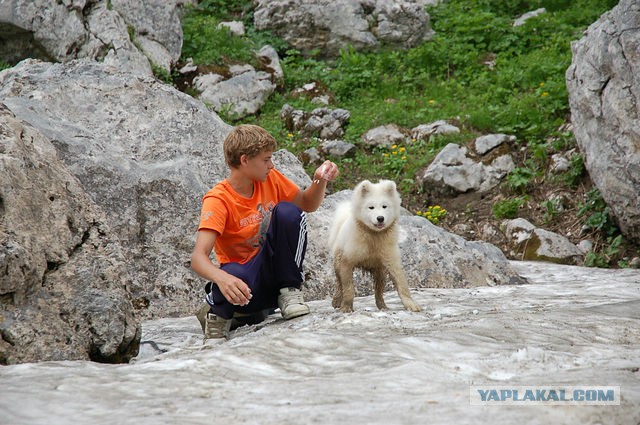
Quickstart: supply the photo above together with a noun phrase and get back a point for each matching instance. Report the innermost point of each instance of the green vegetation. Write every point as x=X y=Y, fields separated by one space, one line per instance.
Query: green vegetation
x=208 y=44
x=478 y=72
x=508 y=208
x=161 y=74
x=599 y=214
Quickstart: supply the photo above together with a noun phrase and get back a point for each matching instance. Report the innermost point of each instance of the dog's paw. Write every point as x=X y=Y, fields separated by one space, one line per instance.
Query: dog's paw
x=382 y=306
x=411 y=306
x=346 y=308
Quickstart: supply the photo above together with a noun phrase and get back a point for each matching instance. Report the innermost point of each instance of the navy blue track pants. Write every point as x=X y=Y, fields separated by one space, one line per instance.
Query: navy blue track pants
x=278 y=264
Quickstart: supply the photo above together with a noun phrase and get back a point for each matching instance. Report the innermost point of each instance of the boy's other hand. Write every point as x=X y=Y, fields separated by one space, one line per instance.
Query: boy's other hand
x=235 y=290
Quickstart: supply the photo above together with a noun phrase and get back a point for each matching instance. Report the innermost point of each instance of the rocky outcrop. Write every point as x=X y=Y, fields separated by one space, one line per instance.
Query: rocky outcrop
x=604 y=91
x=384 y=135
x=529 y=15
x=130 y=35
x=328 y=26
x=440 y=127
x=324 y=123
x=64 y=282
x=245 y=90
x=143 y=151
x=531 y=243
x=241 y=95
x=156 y=28
x=455 y=170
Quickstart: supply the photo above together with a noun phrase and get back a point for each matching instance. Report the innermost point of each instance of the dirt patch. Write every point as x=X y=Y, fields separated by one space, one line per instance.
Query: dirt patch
x=548 y=203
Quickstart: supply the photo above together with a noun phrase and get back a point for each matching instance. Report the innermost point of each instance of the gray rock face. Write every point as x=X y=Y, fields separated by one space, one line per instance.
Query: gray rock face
x=324 y=123
x=535 y=244
x=385 y=135
x=239 y=96
x=424 y=131
x=64 y=282
x=452 y=171
x=157 y=26
x=73 y=29
x=328 y=26
x=604 y=91
x=524 y=18
x=143 y=151
x=484 y=144
x=338 y=148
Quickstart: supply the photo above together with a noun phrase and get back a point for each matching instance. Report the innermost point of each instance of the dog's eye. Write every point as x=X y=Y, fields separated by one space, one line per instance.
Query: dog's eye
x=384 y=206
x=371 y=207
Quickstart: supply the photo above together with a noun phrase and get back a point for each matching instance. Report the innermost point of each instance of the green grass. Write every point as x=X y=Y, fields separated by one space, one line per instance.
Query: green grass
x=209 y=45
x=523 y=94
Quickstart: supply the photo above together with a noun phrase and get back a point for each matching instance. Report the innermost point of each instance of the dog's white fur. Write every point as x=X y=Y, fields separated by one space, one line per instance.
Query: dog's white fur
x=364 y=235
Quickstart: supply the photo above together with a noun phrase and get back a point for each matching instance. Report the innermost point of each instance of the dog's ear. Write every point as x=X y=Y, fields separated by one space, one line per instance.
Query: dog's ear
x=364 y=187
x=389 y=186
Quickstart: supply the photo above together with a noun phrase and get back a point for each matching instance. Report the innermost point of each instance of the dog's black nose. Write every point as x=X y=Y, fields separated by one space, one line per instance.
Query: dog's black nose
x=380 y=219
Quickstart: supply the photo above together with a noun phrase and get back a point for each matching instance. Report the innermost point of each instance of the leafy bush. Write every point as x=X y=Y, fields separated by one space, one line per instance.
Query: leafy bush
x=599 y=214
x=604 y=258
x=519 y=179
x=508 y=208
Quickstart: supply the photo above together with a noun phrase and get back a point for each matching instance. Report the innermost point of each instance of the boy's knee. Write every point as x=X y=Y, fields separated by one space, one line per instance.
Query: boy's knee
x=287 y=211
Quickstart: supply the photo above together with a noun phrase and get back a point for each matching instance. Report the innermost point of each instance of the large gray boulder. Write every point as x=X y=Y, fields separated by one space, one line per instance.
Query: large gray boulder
x=128 y=34
x=454 y=171
x=157 y=27
x=241 y=95
x=64 y=282
x=604 y=91
x=142 y=150
x=532 y=243
x=327 y=25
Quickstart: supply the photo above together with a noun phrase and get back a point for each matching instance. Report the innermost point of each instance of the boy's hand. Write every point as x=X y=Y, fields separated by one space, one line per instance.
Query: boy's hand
x=328 y=171
x=235 y=290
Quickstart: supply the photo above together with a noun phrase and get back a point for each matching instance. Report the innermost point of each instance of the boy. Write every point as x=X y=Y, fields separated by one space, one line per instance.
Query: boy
x=255 y=221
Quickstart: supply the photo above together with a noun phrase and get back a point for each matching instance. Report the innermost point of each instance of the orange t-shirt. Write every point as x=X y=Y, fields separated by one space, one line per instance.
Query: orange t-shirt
x=242 y=222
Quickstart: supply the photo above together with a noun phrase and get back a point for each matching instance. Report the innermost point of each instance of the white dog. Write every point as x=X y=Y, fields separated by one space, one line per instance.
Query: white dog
x=364 y=235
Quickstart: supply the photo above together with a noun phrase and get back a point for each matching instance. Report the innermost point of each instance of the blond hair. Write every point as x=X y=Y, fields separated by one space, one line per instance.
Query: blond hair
x=246 y=139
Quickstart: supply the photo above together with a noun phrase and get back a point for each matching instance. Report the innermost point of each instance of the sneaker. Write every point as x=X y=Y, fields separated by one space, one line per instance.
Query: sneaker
x=247 y=319
x=201 y=314
x=291 y=303
x=216 y=327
